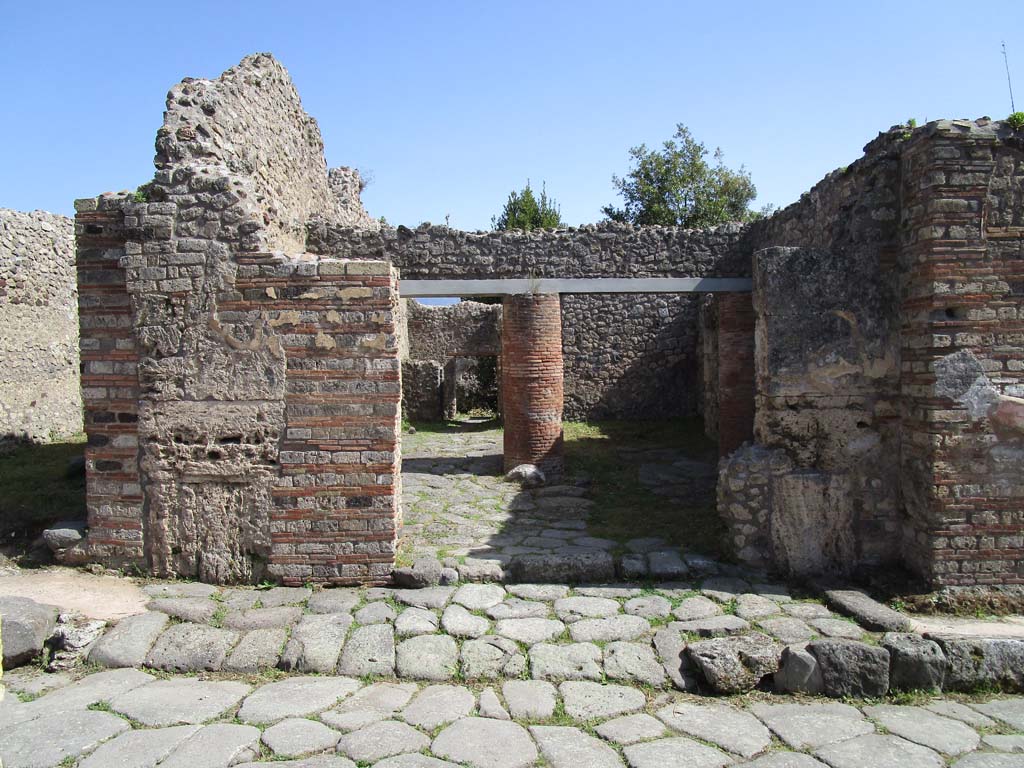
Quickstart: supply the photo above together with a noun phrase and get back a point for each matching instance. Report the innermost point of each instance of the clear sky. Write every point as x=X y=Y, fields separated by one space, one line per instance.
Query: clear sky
x=447 y=106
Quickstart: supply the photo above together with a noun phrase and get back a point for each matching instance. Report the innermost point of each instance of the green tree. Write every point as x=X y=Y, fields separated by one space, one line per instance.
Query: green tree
x=523 y=210
x=676 y=185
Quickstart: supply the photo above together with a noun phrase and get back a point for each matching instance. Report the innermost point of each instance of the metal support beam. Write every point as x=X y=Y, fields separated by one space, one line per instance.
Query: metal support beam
x=411 y=289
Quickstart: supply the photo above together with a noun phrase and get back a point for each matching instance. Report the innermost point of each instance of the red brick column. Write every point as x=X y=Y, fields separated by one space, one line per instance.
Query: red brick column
x=531 y=380
x=735 y=371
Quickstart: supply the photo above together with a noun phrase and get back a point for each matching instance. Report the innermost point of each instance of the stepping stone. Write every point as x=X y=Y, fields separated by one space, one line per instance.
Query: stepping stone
x=807 y=610
x=257 y=650
x=679 y=752
x=730 y=728
x=479 y=597
x=371 y=704
x=484 y=743
x=180 y=589
x=262 y=618
x=431 y=597
x=633 y=662
x=190 y=648
x=129 y=642
x=565 y=747
x=576 y=608
x=369 y=651
x=529 y=699
x=926 y=728
x=547 y=593
x=436 y=705
x=336 y=600
x=416 y=621
x=530 y=631
x=572 y=661
x=630 y=729
x=698 y=607
x=459 y=622
x=877 y=750
x=515 y=608
x=375 y=613
x=182 y=701
x=652 y=606
x=198 y=610
x=787 y=630
x=837 y=628
x=714 y=626
x=849 y=668
x=380 y=740
x=615 y=592
x=216 y=745
x=491 y=657
x=490 y=705
x=588 y=701
x=297 y=736
x=316 y=643
x=809 y=726
x=278 y=596
x=620 y=627
x=1010 y=711
x=295 y=697
x=427 y=657
x=961 y=712
x=752 y=607
x=48 y=741
x=139 y=749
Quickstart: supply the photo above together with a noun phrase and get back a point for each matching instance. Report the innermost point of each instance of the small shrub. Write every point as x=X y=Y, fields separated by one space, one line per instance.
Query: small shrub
x=1016 y=120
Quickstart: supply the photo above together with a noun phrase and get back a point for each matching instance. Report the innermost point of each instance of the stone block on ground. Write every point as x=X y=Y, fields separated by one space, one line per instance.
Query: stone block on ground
x=298 y=736
x=198 y=610
x=630 y=729
x=573 y=661
x=424 y=572
x=982 y=662
x=666 y=564
x=530 y=631
x=579 y=568
x=866 y=611
x=427 y=657
x=850 y=668
x=915 y=663
x=336 y=600
x=295 y=697
x=416 y=621
x=679 y=751
x=529 y=699
x=621 y=627
x=633 y=662
x=798 y=671
x=436 y=705
x=258 y=650
x=809 y=726
x=369 y=650
x=584 y=700
x=491 y=656
x=714 y=626
x=459 y=622
x=735 y=664
x=25 y=626
x=671 y=648
x=179 y=701
x=732 y=729
x=316 y=642
x=876 y=749
x=380 y=740
x=565 y=747
x=484 y=743
x=128 y=643
x=191 y=648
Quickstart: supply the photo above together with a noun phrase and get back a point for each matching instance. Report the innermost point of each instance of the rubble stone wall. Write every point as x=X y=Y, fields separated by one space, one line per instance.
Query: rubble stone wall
x=39 y=391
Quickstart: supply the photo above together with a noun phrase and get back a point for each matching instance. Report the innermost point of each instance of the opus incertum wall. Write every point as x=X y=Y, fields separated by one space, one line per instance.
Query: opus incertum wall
x=242 y=336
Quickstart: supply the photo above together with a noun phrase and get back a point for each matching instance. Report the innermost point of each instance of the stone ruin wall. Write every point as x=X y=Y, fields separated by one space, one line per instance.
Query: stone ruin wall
x=40 y=398
x=250 y=426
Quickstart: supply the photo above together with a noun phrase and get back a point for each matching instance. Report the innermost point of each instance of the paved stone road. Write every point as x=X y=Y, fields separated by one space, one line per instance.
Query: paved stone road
x=129 y=718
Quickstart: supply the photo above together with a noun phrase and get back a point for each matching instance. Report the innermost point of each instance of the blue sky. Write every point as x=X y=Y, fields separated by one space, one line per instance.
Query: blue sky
x=450 y=105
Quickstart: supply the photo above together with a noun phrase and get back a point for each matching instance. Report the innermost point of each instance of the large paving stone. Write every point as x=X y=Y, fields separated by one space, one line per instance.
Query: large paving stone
x=713 y=626
x=427 y=657
x=809 y=726
x=633 y=662
x=671 y=648
x=326 y=761
x=584 y=700
x=489 y=705
x=1002 y=743
x=413 y=761
x=838 y=628
x=785 y=760
x=915 y=663
x=961 y=712
x=371 y=704
x=491 y=656
x=431 y=597
x=630 y=729
x=337 y=600
x=530 y=631
x=484 y=743
x=849 y=668
x=478 y=597
x=295 y=697
x=258 y=650
x=278 y=596
x=584 y=607
x=516 y=608
x=459 y=622
x=753 y=607
x=216 y=746
x=370 y=650
x=798 y=671
x=25 y=626
x=191 y=648
x=47 y=741
x=730 y=728
x=181 y=701
x=678 y=752
x=143 y=748
x=262 y=618
x=198 y=610
x=926 y=728
x=547 y=593
x=787 y=630
x=1009 y=711
x=129 y=642
x=565 y=747
x=735 y=664
x=622 y=627
x=378 y=612
x=649 y=606
x=698 y=607
x=380 y=740
x=298 y=736
x=102 y=686
x=867 y=612
x=987 y=760
x=316 y=642
x=807 y=611
x=436 y=705
x=416 y=621
x=577 y=568
x=879 y=750
x=573 y=661
x=529 y=699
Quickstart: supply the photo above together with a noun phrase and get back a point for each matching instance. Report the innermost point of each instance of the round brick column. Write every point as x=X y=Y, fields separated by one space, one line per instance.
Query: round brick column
x=531 y=380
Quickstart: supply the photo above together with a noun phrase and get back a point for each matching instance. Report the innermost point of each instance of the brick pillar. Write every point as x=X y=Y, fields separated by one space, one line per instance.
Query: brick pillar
x=531 y=380
x=735 y=371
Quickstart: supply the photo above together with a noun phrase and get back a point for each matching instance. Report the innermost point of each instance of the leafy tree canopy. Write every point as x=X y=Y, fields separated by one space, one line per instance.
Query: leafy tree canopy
x=523 y=210
x=677 y=186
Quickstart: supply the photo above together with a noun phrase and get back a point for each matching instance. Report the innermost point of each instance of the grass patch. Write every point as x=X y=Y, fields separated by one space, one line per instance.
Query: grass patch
x=37 y=488
x=624 y=508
